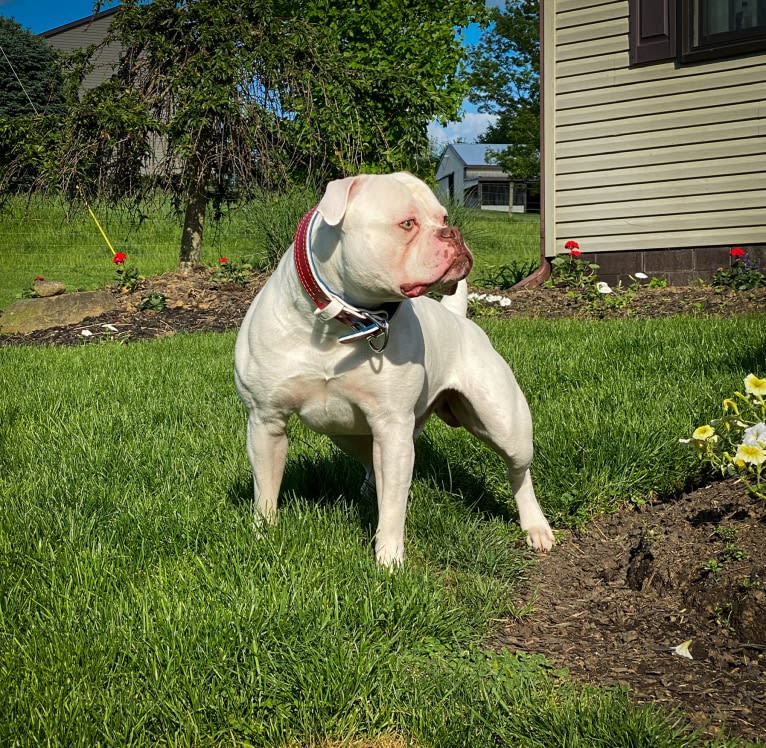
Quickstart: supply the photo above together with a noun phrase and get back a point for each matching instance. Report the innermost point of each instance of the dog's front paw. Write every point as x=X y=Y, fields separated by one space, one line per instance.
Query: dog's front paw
x=540 y=538
x=389 y=555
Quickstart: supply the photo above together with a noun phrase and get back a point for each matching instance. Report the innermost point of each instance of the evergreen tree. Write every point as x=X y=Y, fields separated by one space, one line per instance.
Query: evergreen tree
x=28 y=71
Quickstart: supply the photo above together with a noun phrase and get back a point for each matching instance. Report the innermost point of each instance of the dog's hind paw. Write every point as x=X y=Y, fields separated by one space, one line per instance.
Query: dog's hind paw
x=540 y=538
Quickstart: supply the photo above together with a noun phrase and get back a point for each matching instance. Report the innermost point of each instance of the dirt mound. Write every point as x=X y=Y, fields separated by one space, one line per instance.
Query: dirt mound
x=612 y=603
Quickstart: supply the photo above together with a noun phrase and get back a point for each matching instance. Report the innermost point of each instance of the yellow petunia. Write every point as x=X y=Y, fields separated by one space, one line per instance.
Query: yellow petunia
x=755 y=386
x=751 y=454
x=703 y=433
x=730 y=405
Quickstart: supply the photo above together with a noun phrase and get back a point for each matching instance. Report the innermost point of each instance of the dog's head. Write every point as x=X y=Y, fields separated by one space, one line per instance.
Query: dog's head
x=392 y=238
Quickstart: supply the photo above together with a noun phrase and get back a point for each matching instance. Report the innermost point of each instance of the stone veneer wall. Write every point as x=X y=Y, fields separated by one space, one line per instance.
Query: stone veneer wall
x=679 y=266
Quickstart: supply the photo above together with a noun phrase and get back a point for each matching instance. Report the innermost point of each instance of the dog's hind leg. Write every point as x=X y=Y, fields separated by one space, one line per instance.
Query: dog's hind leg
x=267 y=451
x=360 y=448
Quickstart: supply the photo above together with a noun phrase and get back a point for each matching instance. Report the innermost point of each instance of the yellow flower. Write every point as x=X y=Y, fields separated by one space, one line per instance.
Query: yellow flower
x=729 y=404
x=755 y=386
x=703 y=433
x=751 y=454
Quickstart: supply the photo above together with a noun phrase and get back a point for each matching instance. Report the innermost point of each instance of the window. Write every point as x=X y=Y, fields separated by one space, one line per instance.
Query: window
x=721 y=28
x=695 y=30
x=495 y=193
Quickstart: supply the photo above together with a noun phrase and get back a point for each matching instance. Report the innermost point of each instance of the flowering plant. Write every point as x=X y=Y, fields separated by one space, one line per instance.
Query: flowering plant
x=735 y=443
x=128 y=278
x=230 y=271
x=571 y=271
x=743 y=274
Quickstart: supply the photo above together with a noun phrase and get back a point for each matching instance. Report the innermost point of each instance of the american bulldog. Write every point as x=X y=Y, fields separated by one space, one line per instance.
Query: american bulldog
x=344 y=336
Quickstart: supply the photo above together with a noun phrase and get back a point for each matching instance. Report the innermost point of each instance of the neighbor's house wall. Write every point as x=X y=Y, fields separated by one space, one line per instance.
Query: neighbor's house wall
x=467 y=183
x=657 y=168
x=452 y=165
x=80 y=35
x=89 y=31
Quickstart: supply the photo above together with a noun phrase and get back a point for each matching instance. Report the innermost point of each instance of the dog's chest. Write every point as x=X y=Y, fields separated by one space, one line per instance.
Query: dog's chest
x=332 y=405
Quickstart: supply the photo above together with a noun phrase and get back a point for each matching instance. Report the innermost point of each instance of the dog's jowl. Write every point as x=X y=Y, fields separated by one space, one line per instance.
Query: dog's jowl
x=344 y=336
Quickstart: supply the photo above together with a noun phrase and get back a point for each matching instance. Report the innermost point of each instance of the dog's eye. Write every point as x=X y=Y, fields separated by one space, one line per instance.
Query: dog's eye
x=408 y=225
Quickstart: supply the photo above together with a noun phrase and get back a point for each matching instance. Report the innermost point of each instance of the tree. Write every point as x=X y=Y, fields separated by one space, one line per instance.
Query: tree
x=31 y=80
x=217 y=97
x=401 y=66
x=31 y=103
x=505 y=80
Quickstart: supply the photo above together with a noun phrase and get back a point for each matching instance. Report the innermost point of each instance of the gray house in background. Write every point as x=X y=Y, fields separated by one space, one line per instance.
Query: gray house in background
x=467 y=176
x=84 y=33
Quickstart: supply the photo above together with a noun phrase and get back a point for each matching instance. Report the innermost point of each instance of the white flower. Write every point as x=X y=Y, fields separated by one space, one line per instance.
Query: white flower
x=493 y=298
x=755 y=436
x=505 y=301
x=604 y=287
x=641 y=276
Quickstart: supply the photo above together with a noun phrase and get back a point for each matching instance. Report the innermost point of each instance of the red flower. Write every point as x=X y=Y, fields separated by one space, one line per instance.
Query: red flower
x=119 y=258
x=737 y=253
x=223 y=260
x=574 y=253
x=571 y=244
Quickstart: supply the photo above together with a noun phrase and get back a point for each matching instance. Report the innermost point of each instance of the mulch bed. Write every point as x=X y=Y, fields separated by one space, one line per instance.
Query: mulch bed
x=612 y=601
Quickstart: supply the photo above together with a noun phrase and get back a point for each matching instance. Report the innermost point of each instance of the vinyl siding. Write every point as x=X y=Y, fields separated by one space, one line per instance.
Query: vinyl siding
x=654 y=157
x=83 y=33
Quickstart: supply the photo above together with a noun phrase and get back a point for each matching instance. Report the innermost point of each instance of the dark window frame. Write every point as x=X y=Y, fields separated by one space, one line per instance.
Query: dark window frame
x=714 y=46
x=663 y=31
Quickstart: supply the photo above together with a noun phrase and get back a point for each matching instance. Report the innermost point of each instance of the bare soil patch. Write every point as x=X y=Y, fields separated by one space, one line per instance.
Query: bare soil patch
x=613 y=600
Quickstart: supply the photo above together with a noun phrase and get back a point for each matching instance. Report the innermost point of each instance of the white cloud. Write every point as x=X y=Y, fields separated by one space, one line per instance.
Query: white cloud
x=467 y=130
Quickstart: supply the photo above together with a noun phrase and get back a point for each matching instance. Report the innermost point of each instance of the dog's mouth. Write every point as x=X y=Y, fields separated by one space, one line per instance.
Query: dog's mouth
x=446 y=284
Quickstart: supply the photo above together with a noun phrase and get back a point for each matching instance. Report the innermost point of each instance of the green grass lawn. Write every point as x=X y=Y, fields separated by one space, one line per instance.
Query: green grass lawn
x=140 y=606
x=42 y=236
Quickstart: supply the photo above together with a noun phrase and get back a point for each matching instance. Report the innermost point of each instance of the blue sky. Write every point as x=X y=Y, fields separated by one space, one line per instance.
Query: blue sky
x=43 y=15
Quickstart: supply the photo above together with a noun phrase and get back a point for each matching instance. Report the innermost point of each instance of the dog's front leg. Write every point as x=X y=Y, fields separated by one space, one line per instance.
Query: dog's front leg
x=393 y=457
x=267 y=450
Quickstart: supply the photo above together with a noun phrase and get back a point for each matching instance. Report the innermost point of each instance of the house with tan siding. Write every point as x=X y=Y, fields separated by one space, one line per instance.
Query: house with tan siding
x=83 y=33
x=654 y=133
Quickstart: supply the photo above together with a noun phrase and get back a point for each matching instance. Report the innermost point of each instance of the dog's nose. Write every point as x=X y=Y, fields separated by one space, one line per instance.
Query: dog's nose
x=451 y=233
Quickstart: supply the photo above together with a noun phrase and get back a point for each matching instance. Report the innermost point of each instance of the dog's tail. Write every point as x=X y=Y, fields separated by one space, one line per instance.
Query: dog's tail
x=457 y=303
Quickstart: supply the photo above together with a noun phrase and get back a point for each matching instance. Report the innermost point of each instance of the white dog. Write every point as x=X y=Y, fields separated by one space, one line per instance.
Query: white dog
x=343 y=335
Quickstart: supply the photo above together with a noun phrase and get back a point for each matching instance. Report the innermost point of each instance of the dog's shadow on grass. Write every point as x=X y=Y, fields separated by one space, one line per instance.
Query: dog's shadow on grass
x=324 y=480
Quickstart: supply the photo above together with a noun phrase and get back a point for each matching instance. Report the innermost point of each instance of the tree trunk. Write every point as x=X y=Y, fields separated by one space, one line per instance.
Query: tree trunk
x=194 y=225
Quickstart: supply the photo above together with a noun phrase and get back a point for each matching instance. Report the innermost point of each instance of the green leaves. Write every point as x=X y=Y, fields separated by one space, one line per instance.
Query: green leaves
x=505 y=80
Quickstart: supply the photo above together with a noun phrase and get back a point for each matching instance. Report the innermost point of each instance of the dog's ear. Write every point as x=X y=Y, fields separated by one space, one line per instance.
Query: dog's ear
x=332 y=206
